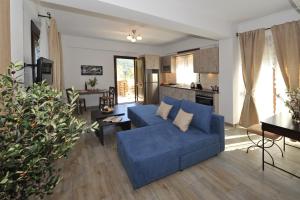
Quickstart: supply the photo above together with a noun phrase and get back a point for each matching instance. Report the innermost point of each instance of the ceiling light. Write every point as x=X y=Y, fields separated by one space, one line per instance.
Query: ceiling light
x=133 y=37
x=129 y=37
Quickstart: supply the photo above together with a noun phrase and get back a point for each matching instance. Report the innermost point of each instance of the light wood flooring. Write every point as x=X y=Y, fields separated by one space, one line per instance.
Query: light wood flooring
x=94 y=172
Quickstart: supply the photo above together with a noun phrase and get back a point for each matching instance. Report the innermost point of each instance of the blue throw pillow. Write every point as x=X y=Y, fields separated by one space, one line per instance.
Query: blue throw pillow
x=176 y=106
x=202 y=114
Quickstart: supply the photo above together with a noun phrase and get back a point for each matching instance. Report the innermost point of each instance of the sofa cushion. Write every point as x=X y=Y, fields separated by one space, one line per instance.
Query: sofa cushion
x=202 y=114
x=164 y=110
x=176 y=106
x=144 y=115
x=192 y=140
x=183 y=120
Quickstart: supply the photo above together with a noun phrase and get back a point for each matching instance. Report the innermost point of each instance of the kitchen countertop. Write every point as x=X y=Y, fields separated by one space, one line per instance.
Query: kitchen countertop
x=189 y=88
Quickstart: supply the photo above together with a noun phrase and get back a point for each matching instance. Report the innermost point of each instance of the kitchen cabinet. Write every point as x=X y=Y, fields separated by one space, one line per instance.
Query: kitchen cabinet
x=206 y=60
x=197 y=58
x=152 y=62
x=177 y=93
x=168 y=64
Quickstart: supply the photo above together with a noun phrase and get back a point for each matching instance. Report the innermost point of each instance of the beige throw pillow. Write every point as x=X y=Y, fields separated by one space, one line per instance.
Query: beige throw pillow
x=163 y=110
x=183 y=120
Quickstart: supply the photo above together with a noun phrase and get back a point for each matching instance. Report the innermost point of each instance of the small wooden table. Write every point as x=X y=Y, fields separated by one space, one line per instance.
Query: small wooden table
x=281 y=124
x=90 y=92
x=97 y=115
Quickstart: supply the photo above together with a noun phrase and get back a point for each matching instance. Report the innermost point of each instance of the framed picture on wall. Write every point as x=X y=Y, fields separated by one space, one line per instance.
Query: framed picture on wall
x=91 y=70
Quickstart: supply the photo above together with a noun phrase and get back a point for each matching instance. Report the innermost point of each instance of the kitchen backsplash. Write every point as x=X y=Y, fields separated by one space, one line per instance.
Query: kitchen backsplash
x=208 y=80
x=168 y=78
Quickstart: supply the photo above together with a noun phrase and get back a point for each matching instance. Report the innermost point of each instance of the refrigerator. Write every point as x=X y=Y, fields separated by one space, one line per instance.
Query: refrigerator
x=151 y=86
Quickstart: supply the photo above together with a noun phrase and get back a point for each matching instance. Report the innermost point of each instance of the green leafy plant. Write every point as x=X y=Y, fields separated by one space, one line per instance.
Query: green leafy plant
x=36 y=129
x=93 y=82
x=293 y=103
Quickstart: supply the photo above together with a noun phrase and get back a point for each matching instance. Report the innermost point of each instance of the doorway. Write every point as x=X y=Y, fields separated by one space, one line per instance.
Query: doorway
x=125 y=79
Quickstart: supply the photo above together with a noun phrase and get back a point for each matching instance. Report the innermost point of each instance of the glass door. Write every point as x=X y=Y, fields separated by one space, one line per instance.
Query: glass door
x=125 y=79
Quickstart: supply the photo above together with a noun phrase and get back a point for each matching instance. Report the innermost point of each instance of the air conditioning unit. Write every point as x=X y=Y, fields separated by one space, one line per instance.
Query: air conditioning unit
x=296 y=4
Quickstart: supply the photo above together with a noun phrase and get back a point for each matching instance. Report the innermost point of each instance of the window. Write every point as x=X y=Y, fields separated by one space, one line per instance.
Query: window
x=185 y=70
x=270 y=83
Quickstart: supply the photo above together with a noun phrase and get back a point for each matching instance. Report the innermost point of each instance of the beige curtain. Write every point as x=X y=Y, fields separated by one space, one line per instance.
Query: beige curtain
x=252 y=45
x=4 y=35
x=55 y=54
x=287 y=44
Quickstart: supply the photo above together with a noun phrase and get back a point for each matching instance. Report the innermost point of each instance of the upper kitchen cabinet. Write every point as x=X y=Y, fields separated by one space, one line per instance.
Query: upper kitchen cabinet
x=168 y=64
x=197 y=58
x=152 y=61
x=206 y=60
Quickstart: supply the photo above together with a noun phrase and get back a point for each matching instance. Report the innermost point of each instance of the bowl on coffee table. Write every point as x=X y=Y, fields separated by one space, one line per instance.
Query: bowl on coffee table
x=107 y=110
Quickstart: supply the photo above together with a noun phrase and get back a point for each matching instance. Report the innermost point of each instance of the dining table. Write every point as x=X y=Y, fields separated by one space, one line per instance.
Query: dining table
x=92 y=91
x=281 y=124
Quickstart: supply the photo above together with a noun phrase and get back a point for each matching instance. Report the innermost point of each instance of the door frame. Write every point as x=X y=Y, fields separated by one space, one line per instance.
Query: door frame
x=115 y=73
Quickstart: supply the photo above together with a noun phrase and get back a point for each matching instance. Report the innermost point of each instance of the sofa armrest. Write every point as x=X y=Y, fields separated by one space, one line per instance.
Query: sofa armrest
x=217 y=127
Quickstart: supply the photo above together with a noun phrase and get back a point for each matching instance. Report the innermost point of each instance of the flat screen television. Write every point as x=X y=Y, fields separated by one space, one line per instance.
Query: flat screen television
x=42 y=71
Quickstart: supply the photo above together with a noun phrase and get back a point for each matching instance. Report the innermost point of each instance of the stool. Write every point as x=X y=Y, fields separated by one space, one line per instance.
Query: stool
x=271 y=138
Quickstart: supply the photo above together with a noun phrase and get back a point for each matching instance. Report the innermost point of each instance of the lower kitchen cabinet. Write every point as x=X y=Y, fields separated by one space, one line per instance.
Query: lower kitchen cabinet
x=181 y=93
x=177 y=93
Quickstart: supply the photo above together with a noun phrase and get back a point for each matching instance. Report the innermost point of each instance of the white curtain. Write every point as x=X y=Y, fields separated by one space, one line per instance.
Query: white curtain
x=55 y=54
x=184 y=70
x=44 y=47
x=269 y=77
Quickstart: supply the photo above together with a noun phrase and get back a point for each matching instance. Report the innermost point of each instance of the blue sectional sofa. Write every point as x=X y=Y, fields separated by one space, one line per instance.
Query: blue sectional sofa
x=157 y=148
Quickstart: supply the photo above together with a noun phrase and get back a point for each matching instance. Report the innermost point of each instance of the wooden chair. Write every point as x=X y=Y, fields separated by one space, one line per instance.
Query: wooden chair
x=80 y=102
x=270 y=139
x=107 y=99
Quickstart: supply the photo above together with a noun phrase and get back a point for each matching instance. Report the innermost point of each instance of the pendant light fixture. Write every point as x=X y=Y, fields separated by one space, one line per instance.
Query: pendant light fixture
x=133 y=36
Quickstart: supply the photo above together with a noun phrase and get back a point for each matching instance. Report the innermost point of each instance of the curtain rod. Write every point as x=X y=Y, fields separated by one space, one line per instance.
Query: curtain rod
x=237 y=34
x=46 y=16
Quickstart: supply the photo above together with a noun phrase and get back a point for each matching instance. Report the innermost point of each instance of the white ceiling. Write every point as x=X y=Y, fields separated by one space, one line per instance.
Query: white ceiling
x=208 y=18
x=224 y=10
x=81 y=23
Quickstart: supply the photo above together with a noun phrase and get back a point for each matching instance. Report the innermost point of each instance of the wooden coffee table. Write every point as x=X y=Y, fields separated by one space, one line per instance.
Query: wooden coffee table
x=120 y=111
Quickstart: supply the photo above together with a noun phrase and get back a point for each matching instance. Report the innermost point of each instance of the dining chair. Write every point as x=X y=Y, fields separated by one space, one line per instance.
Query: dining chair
x=108 y=99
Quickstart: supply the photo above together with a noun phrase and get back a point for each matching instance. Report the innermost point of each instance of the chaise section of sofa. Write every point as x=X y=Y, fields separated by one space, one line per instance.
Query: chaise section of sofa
x=159 y=148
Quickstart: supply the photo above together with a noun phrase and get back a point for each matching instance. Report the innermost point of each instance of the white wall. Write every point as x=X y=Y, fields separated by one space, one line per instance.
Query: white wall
x=16 y=30
x=227 y=79
x=79 y=51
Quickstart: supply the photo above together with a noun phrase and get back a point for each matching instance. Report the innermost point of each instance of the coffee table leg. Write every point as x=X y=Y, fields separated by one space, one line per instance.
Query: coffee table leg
x=99 y=134
x=126 y=126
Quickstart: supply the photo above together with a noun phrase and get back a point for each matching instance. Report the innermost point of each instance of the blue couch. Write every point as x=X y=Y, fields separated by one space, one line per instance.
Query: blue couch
x=157 y=148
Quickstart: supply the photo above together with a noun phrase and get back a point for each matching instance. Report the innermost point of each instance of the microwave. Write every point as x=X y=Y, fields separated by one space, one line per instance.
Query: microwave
x=166 y=69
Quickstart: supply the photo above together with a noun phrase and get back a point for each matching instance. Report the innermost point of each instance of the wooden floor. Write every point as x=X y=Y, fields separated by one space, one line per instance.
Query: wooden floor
x=94 y=172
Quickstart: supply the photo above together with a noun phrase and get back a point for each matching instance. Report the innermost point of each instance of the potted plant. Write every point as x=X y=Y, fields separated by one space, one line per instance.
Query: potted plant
x=93 y=82
x=37 y=128
x=293 y=103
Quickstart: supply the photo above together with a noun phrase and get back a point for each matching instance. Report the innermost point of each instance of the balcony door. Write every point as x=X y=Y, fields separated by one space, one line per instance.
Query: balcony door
x=125 y=79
